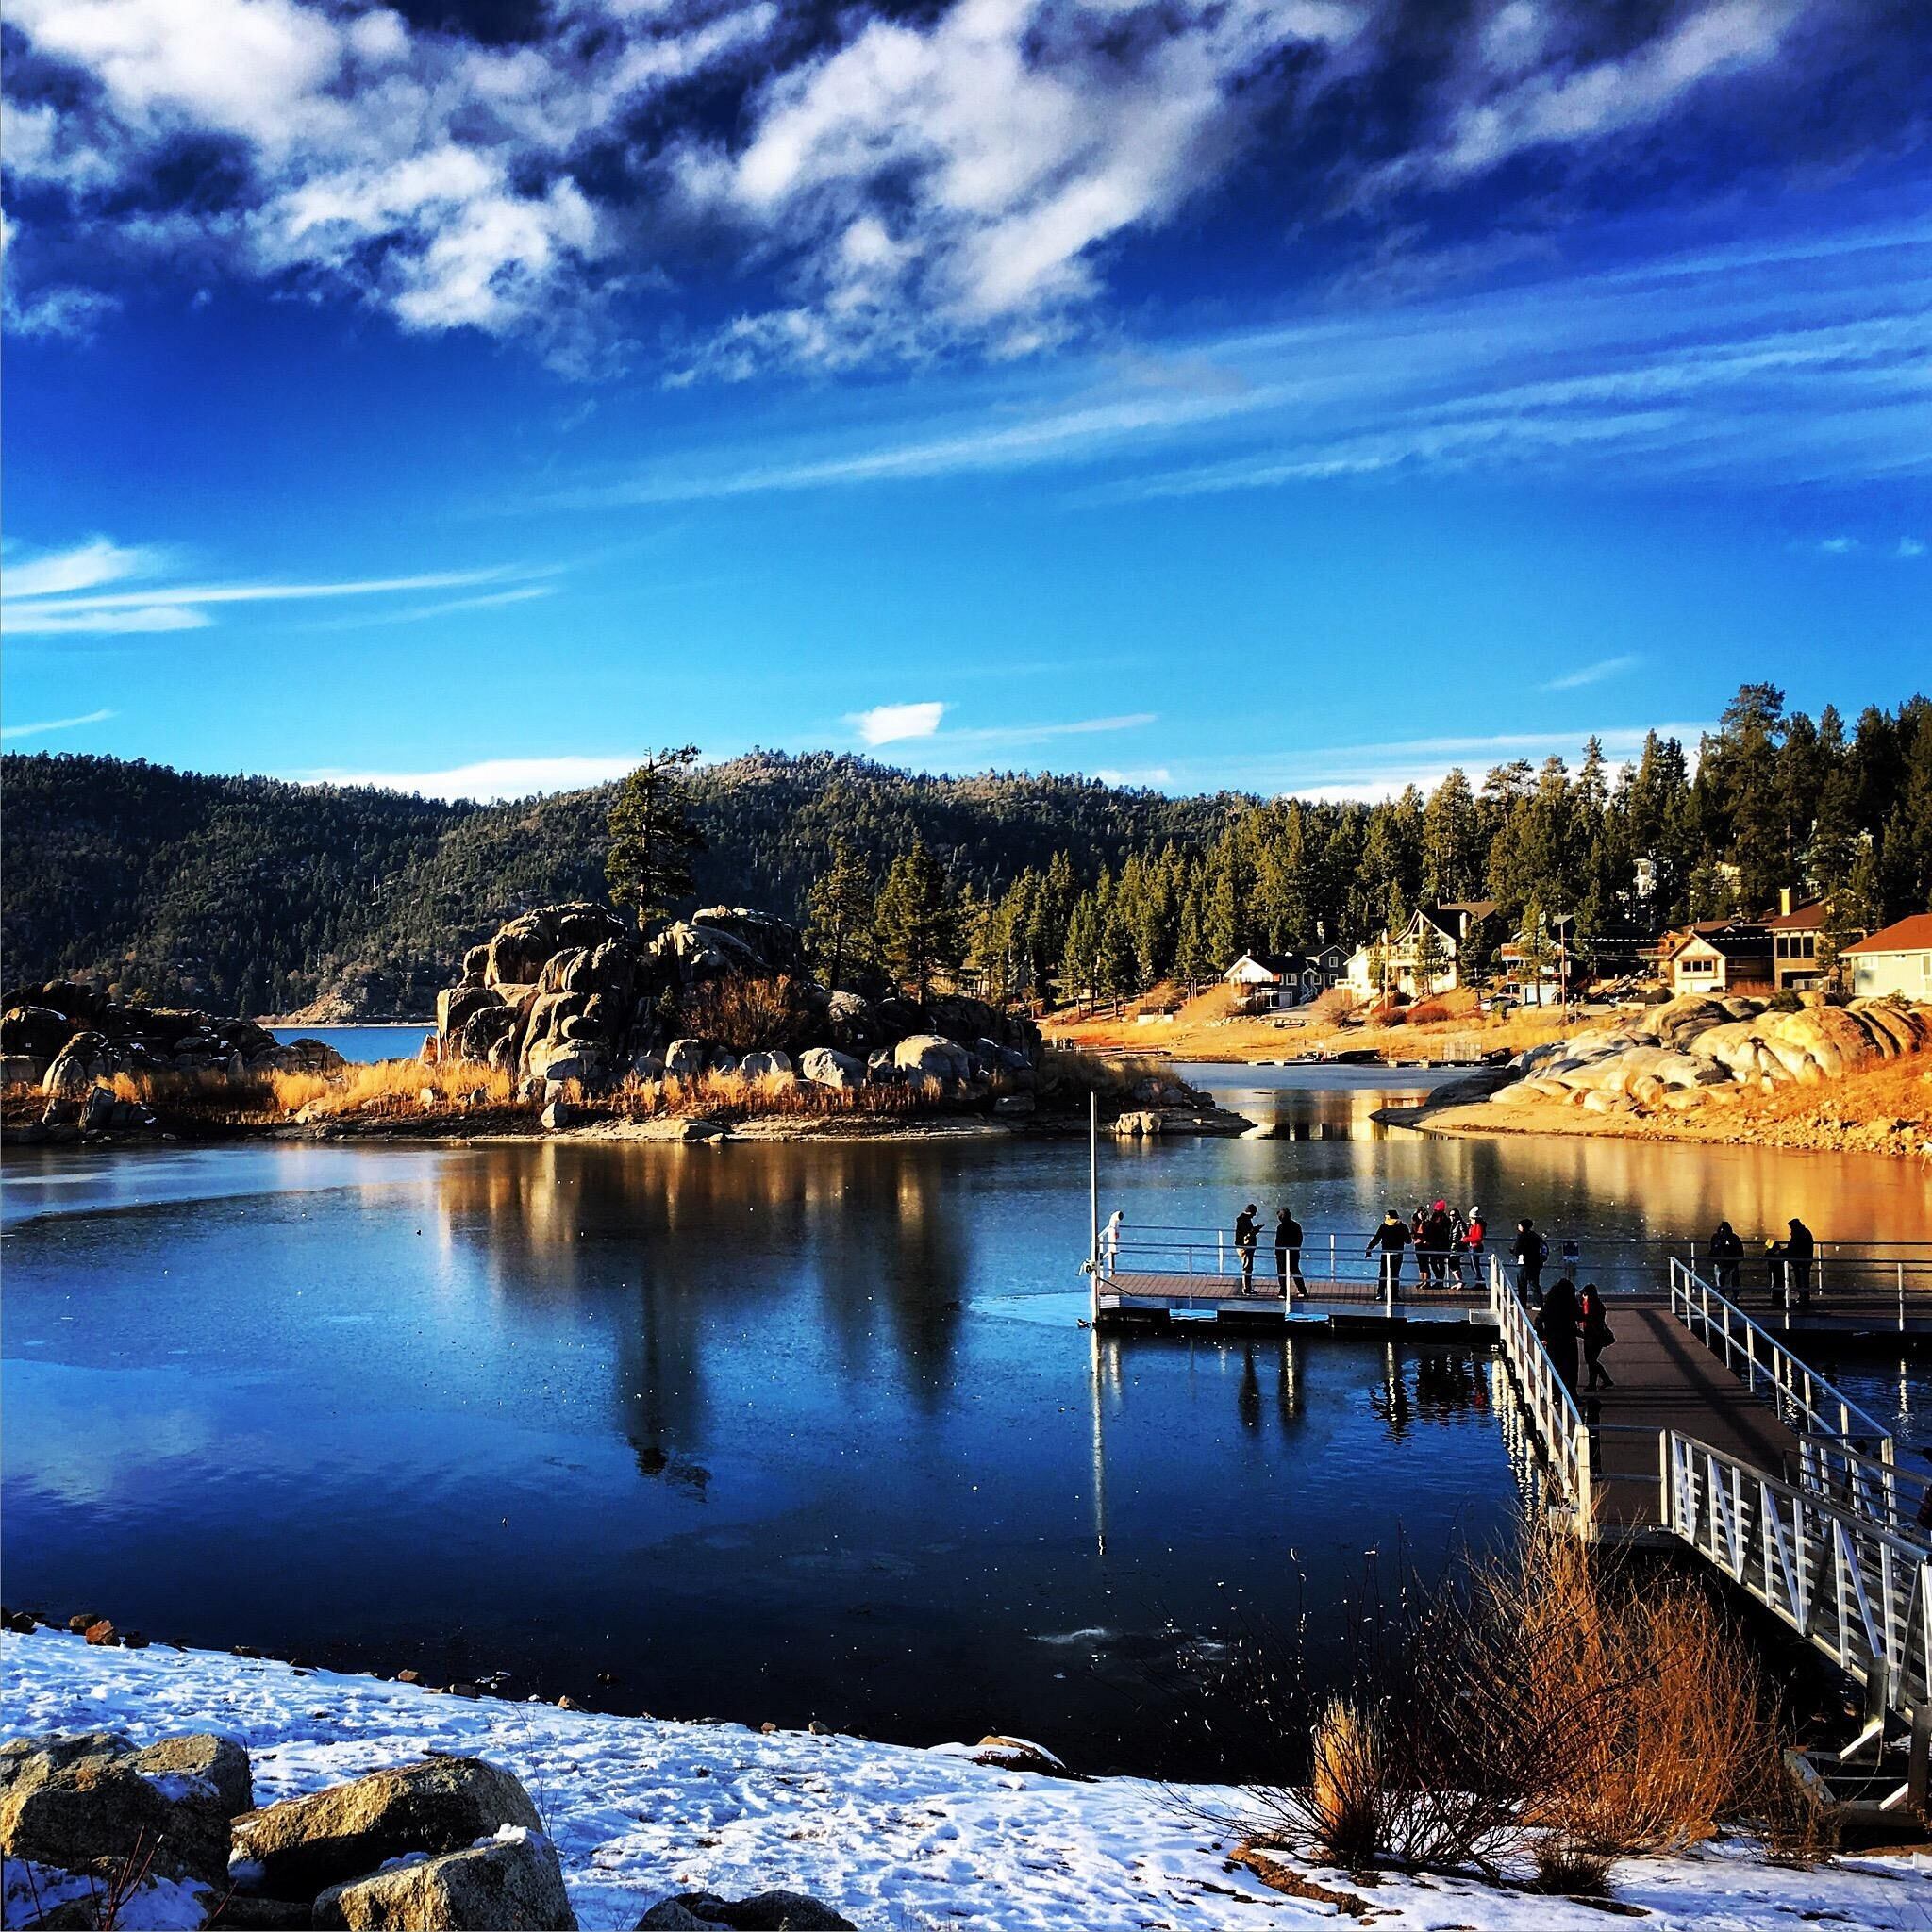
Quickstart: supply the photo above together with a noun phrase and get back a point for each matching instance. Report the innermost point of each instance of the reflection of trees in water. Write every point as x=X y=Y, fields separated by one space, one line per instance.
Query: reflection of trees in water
x=670 y=1251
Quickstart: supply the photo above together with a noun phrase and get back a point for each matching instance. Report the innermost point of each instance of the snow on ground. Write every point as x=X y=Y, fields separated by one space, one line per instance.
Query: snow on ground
x=899 y=1839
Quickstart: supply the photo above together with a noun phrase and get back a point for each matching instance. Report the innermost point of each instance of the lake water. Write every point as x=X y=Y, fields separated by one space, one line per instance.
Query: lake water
x=765 y=1431
x=363 y=1044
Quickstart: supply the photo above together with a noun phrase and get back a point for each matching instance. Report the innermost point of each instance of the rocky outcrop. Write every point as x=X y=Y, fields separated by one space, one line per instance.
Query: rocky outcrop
x=1694 y=1052
x=71 y=1040
x=570 y=993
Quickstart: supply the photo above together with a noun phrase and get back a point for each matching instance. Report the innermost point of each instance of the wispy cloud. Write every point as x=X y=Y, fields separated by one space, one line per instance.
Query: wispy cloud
x=454 y=607
x=59 y=594
x=1909 y=547
x=48 y=724
x=488 y=780
x=892 y=724
x=1018 y=736
x=1593 y=673
x=1788 y=362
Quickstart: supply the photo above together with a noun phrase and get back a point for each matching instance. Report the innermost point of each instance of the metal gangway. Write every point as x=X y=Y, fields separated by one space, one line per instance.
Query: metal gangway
x=1813 y=1517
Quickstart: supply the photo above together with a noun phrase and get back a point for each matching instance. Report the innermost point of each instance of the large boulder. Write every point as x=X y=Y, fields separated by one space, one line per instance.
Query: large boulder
x=524 y=946
x=851 y=1024
x=825 y=1066
x=296 y=1848
x=765 y=1066
x=513 y=1883
x=456 y=1004
x=219 y=1762
x=771 y=945
x=685 y=1059
x=40 y=1031
x=89 y=1060
x=764 y=1911
x=83 y=1803
x=932 y=1056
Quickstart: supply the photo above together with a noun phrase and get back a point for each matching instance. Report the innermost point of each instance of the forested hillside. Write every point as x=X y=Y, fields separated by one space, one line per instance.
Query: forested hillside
x=254 y=896
x=247 y=894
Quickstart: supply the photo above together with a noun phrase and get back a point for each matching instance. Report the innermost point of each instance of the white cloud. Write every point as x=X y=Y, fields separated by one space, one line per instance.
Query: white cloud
x=83 y=567
x=60 y=619
x=1593 y=673
x=892 y=724
x=488 y=780
x=1016 y=735
x=48 y=724
x=59 y=594
x=1910 y=546
x=1839 y=546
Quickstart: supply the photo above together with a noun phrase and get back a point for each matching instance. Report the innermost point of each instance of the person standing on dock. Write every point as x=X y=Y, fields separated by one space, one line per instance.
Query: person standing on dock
x=1391 y=1237
x=1247 y=1238
x=1288 y=1253
x=1556 y=1323
x=1530 y=1251
x=1110 y=1242
x=1472 y=1241
x=1726 y=1257
x=1432 y=1251
x=1597 y=1337
x=1792 y=1263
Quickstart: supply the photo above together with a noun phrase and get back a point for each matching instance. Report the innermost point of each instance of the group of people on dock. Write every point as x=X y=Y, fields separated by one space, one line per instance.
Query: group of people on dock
x=1790 y=1260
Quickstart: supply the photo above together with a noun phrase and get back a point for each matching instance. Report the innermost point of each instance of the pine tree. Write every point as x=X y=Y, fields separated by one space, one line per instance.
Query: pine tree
x=839 y=911
x=917 y=922
x=653 y=836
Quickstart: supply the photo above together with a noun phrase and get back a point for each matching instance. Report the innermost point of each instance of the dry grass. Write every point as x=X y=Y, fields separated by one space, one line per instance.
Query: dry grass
x=395 y=1086
x=745 y=1014
x=1348 y=1786
x=1565 y=1869
x=732 y=1096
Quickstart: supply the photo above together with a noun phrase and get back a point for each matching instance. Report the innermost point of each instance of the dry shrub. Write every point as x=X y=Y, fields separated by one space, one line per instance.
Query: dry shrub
x=198 y=1090
x=732 y=1096
x=1684 y=1739
x=1427 y=1013
x=1555 y=1695
x=1347 y=1786
x=1335 y=1003
x=747 y=1015
x=1565 y=1867
x=1065 y=1077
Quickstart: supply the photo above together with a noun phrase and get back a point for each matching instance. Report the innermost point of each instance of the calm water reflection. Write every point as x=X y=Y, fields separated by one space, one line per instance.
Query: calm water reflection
x=759 y=1431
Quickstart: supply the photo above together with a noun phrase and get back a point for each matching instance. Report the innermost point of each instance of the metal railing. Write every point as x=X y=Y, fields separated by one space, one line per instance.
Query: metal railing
x=1769 y=1369
x=1857 y=1591
x=1558 y=1422
x=1206 y=1264
x=1891 y=1495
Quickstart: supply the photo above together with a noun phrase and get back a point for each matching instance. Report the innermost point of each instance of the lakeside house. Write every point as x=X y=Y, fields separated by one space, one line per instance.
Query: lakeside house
x=1719 y=956
x=1896 y=958
x=1431 y=953
x=1266 y=979
x=1795 y=933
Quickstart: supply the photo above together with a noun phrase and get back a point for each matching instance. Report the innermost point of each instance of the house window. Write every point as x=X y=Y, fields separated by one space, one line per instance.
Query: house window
x=1696 y=965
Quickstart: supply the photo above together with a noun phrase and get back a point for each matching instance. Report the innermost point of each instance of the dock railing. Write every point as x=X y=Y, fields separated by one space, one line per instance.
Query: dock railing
x=1858 y=1591
x=1558 y=1423
x=1770 y=1370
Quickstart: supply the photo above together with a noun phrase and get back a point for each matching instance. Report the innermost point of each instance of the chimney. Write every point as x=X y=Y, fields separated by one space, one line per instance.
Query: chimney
x=1784 y=902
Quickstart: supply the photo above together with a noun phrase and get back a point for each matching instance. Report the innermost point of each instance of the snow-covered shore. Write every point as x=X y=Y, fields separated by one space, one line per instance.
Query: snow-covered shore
x=897 y=1838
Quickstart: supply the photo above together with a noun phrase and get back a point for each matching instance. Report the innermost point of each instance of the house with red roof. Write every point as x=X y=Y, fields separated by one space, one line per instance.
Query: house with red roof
x=1896 y=958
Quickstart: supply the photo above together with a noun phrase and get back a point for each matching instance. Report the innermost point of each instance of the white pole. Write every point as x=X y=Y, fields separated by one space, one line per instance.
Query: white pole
x=1093 y=1201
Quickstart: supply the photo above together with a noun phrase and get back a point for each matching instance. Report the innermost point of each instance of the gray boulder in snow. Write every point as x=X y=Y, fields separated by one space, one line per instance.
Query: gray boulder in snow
x=511 y=1883
x=297 y=1848
x=764 y=1911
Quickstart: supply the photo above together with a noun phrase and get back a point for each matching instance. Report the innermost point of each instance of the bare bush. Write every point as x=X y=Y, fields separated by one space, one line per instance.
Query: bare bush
x=747 y=1014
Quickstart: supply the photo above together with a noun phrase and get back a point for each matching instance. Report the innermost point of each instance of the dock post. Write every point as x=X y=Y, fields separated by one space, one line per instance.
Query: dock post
x=1901 y=1297
x=1094 y=1204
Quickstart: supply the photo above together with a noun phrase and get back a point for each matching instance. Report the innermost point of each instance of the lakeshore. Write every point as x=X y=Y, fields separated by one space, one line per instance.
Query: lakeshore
x=889 y=1836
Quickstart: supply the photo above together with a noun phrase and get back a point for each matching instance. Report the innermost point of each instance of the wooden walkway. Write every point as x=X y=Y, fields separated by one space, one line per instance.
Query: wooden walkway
x=1666 y=1378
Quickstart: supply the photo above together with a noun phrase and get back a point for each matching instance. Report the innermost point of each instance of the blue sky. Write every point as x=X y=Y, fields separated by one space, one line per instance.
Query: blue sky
x=1303 y=395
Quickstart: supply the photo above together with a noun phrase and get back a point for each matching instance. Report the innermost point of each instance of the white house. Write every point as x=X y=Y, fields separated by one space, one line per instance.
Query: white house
x=1425 y=958
x=1897 y=959
x=1267 y=978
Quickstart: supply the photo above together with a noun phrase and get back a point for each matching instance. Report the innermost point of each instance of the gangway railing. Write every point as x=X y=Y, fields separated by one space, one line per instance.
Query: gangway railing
x=1771 y=1370
x=1850 y=1587
x=1558 y=1423
x=1897 y=1498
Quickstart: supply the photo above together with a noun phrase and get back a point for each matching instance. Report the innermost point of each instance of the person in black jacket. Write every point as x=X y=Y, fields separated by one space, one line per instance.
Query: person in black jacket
x=1530 y=1251
x=1595 y=1318
x=1391 y=1237
x=1247 y=1237
x=1288 y=1253
x=1557 y=1322
x=1432 y=1251
x=1726 y=1257
x=1792 y=1261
